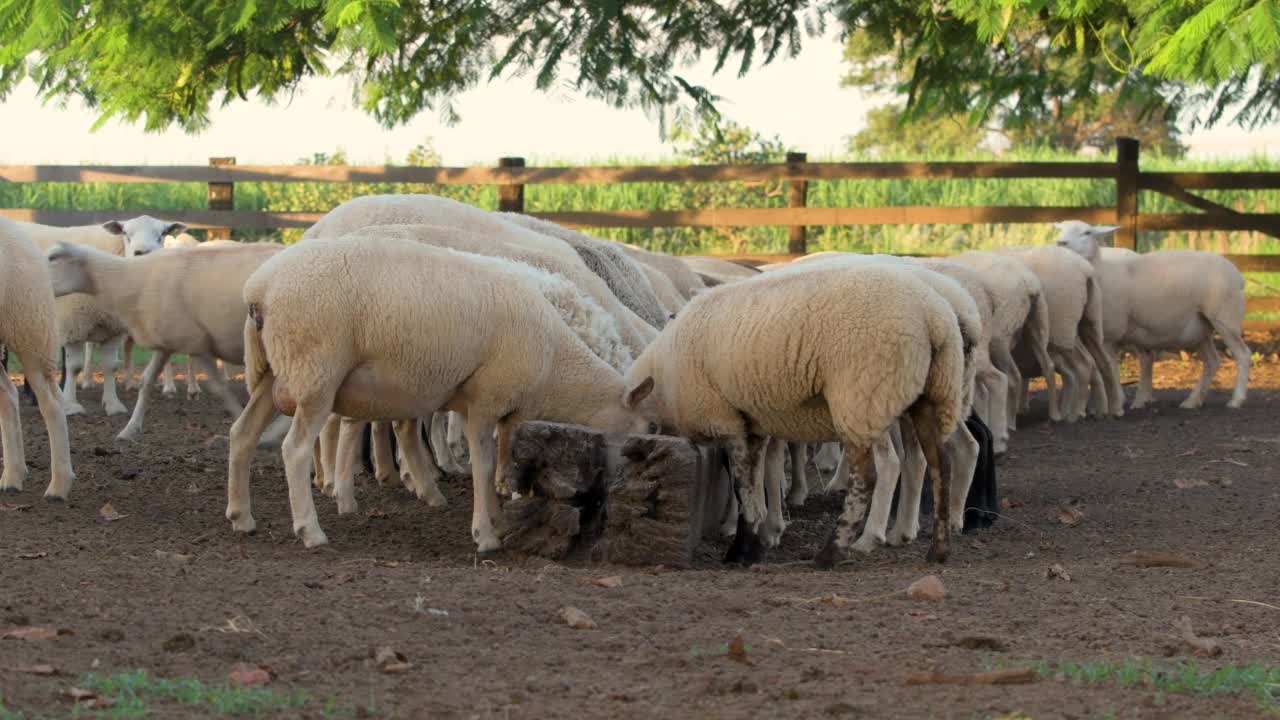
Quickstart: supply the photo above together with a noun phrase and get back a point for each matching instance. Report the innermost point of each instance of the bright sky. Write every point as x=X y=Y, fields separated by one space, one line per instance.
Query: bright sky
x=799 y=99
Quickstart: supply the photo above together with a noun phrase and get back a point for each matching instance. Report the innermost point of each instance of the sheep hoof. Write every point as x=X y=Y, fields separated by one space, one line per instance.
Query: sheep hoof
x=70 y=409
x=128 y=433
x=827 y=557
x=346 y=507
x=54 y=496
x=937 y=553
x=1190 y=404
x=242 y=523
x=746 y=549
x=867 y=543
x=798 y=499
x=486 y=542
x=10 y=488
x=116 y=408
x=433 y=498
x=1236 y=404
x=311 y=537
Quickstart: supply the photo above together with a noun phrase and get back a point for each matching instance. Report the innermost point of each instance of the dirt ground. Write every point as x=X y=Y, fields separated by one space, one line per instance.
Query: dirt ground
x=483 y=638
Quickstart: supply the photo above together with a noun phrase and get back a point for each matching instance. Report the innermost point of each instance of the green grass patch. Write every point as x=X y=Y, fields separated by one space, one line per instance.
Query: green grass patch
x=137 y=693
x=1186 y=678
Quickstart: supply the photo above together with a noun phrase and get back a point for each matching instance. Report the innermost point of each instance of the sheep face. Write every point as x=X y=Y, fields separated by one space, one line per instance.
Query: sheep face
x=1083 y=238
x=143 y=234
x=68 y=271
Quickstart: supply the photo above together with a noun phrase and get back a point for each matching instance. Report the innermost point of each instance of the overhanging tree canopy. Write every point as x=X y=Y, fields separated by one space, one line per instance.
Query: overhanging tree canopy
x=164 y=62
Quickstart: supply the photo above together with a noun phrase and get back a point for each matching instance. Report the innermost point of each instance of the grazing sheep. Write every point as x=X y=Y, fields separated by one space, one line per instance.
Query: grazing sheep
x=1166 y=300
x=398 y=329
x=28 y=328
x=833 y=353
x=559 y=257
x=1074 y=296
x=685 y=281
x=1019 y=312
x=623 y=275
x=184 y=300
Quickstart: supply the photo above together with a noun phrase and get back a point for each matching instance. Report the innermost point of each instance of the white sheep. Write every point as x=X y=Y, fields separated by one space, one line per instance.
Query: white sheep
x=1166 y=300
x=1020 y=315
x=588 y=321
x=376 y=210
x=28 y=327
x=623 y=275
x=83 y=323
x=961 y=446
x=183 y=300
x=1074 y=296
x=826 y=354
x=685 y=281
x=397 y=329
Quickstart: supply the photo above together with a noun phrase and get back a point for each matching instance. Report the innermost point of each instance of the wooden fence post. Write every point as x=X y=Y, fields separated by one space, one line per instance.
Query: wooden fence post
x=222 y=196
x=1127 y=192
x=796 y=243
x=511 y=197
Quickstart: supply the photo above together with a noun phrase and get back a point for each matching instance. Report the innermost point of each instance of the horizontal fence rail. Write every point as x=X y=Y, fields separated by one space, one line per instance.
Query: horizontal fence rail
x=511 y=176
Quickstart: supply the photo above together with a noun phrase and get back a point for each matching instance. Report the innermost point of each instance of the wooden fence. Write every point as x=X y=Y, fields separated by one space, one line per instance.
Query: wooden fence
x=511 y=176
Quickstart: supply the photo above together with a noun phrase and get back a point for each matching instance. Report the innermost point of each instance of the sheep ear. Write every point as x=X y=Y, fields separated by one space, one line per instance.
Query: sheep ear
x=1103 y=229
x=59 y=250
x=174 y=229
x=638 y=393
x=114 y=227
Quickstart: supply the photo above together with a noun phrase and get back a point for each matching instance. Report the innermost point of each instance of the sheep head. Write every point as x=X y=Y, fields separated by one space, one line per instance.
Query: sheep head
x=68 y=269
x=143 y=234
x=1083 y=238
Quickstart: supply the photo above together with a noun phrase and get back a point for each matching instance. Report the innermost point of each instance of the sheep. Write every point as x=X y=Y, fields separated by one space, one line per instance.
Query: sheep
x=685 y=281
x=377 y=210
x=169 y=388
x=183 y=300
x=623 y=275
x=833 y=353
x=593 y=326
x=962 y=447
x=28 y=327
x=1020 y=312
x=448 y=332
x=1166 y=300
x=1074 y=296
x=719 y=270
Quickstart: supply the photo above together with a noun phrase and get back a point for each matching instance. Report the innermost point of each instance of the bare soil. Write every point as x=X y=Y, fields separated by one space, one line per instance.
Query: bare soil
x=483 y=636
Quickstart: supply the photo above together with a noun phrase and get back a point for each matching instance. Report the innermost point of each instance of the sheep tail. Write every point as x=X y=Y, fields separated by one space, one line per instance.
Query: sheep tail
x=255 y=353
x=943 y=383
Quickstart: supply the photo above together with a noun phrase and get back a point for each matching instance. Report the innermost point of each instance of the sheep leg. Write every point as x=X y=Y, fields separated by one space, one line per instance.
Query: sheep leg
x=86 y=378
x=744 y=456
x=856 y=505
x=997 y=387
x=963 y=449
x=75 y=361
x=502 y=479
x=167 y=387
x=270 y=439
x=130 y=382
x=483 y=450
x=1233 y=338
x=327 y=447
x=457 y=444
x=1211 y=362
x=1037 y=332
x=887 y=466
x=924 y=417
x=131 y=430
x=1106 y=364
x=15 y=459
x=424 y=474
x=308 y=421
x=44 y=385
x=798 y=493
x=1002 y=358
x=219 y=388
x=839 y=478
x=346 y=448
x=110 y=362
x=244 y=434
x=1146 y=367
x=728 y=521
x=774 y=471
x=438 y=432
x=906 y=524
x=1069 y=385
x=193 y=383
x=384 y=467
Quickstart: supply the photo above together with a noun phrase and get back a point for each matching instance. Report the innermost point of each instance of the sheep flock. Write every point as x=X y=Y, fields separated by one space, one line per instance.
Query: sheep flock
x=421 y=332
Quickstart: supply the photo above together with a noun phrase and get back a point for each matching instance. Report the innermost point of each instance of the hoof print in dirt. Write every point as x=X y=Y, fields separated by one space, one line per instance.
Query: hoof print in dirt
x=618 y=499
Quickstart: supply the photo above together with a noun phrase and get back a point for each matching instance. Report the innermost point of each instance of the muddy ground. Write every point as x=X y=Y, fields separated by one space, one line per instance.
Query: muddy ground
x=482 y=636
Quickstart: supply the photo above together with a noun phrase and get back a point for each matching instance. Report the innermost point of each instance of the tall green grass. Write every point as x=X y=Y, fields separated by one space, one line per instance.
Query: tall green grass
x=667 y=196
